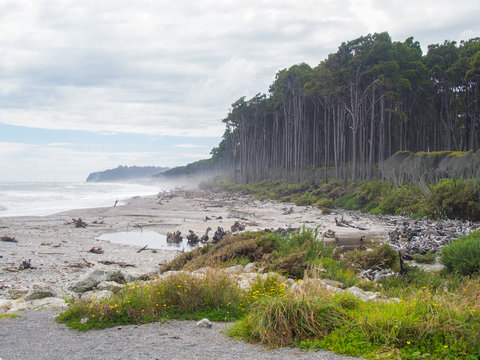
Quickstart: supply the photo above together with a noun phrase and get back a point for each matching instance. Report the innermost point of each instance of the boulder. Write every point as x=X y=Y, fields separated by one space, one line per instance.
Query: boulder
x=236 y=269
x=96 y=295
x=204 y=323
x=95 y=276
x=250 y=268
x=110 y=286
x=44 y=303
x=14 y=294
x=40 y=290
x=5 y=305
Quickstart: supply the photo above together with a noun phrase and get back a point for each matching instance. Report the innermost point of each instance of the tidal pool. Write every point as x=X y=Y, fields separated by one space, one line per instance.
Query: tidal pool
x=152 y=239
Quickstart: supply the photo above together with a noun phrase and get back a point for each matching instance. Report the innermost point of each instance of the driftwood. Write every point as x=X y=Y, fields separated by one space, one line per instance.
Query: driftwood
x=119 y=263
x=237 y=226
x=143 y=248
x=79 y=223
x=344 y=223
x=219 y=234
x=192 y=238
x=8 y=239
x=88 y=263
x=204 y=238
x=96 y=250
x=422 y=236
x=26 y=264
x=175 y=237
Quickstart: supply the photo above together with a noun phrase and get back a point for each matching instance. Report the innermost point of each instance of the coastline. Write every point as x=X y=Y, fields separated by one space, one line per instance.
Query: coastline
x=60 y=251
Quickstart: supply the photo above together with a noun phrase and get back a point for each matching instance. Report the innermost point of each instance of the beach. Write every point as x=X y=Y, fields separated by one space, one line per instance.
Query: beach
x=59 y=251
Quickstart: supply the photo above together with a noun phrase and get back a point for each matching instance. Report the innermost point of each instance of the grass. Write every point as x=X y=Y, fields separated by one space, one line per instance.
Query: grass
x=449 y=198
x=181 y=296
x=434 y=316
x=9 y=316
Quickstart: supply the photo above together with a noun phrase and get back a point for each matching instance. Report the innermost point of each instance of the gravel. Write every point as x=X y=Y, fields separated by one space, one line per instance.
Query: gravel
x=36 y=335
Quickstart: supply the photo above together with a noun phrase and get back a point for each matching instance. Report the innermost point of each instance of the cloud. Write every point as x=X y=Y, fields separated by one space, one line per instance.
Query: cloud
x=175 y=67
x=188 y=146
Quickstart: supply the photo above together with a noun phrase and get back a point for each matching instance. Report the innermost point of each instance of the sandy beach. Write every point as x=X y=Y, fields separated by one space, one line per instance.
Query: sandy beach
x=59 y=251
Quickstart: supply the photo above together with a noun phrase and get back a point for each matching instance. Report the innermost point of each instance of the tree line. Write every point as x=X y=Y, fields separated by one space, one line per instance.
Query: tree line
x=370 y=99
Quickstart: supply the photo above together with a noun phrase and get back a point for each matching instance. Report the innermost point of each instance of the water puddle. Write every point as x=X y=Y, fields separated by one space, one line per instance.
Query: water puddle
x=152 y=239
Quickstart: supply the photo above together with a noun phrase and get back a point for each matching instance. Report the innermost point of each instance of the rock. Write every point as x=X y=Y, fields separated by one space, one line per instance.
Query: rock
x=96 y=295
x=5 y=305
x=94 y=276
x=40 y=291
x=109 y=285
x=14 y=294
x=204 y=323
x=244 y=280
x=45 y=303
x=367 y=296
x=236 y=269
x=333 y=283
x=250 y=268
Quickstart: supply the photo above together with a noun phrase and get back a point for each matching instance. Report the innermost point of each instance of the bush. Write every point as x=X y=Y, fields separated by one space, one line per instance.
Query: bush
x=428 y=258
x=463 y=255
x=455 y=200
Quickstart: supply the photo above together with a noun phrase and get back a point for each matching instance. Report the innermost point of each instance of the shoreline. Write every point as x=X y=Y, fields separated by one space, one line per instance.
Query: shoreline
x=60 y=251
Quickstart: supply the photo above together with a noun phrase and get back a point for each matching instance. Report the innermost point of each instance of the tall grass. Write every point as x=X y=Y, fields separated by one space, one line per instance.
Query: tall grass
x=181 y=296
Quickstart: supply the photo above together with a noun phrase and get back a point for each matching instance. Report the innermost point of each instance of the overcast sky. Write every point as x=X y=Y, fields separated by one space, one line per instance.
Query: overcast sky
x=88 y=85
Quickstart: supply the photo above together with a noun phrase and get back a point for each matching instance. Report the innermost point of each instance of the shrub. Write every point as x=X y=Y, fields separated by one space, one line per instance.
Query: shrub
x=455 y=199
x=463 y=255
x=428 y=258
x=285 y=320
x=381 y=257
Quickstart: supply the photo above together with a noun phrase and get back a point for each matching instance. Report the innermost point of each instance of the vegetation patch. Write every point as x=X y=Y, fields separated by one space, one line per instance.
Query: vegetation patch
x=453 y=199
x=463 y=255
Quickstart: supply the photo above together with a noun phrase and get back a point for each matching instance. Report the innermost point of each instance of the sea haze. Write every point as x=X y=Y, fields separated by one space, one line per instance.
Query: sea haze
x=45 y=198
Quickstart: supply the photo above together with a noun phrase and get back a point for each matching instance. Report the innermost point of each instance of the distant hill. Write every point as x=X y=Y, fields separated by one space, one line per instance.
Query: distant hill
x=122 y=173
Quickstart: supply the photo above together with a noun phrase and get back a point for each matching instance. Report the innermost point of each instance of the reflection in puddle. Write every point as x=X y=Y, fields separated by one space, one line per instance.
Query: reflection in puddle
x=152 y=239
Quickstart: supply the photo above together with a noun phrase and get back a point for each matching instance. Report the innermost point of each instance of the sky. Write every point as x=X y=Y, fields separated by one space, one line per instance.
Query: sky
x=89 y=85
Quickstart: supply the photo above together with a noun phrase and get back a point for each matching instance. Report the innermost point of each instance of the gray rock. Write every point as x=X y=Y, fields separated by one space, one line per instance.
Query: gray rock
x=5 y=305
x=110 y=286
x=204 y=323
x=95 y=276
x=250 y=268
x=14 y=294
x=45 y=303
x=96 y=295
x=236 y=269
x=41 y=290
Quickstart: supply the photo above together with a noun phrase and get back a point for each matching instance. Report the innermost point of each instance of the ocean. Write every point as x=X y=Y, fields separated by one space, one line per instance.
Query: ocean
x=45 y=198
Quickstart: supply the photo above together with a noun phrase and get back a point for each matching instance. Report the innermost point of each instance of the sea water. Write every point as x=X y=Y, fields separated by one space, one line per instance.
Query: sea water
x=45 y=198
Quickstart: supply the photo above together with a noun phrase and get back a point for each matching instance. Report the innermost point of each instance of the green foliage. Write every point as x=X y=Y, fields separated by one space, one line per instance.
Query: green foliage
x=288 y=319
x=181 y=296
x=381 y=257
x=463 y=255
x=428 y=258
x=455 y=200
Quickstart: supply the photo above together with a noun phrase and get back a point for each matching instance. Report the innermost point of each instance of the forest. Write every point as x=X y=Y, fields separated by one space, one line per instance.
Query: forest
x=369 y=100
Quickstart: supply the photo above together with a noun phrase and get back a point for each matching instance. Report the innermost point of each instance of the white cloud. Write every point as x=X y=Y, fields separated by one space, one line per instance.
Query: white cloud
x=167 y=67
x=188 y=146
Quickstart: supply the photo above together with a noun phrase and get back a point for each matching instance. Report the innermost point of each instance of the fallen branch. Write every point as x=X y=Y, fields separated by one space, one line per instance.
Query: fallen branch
x=119 y=263
x=8 y=239
x=96 y=250
x=26 y=264
x=143 y=248
x=88 y=263
x=79 y=223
